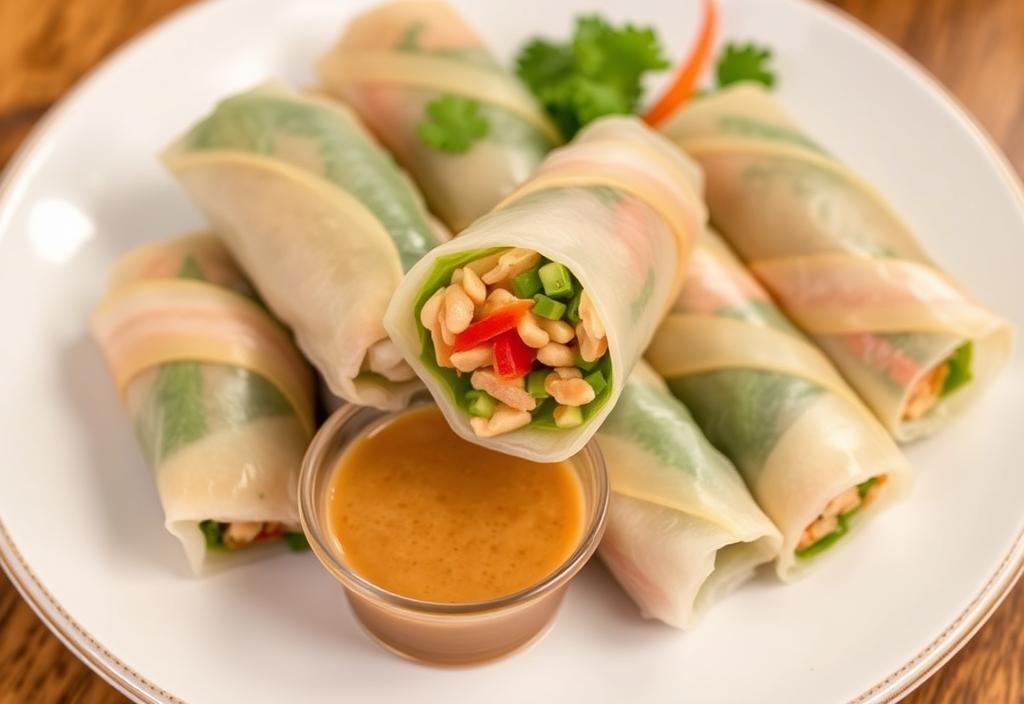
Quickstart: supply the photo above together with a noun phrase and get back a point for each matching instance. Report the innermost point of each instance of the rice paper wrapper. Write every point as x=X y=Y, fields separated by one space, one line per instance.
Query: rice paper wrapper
x=682 y=528
x=841 y=262
x=221 y=401
x=321 y=219
x=618 y=207
x=394 y=60
x=770 y=401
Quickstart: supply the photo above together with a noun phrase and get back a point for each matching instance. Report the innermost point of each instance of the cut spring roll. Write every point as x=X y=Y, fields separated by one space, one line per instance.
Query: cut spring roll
x=321 y=219
x=815 y=459
x=526 y=326
x=682 y=528
x=405 y=65
x=843 y=265
x=221 y=401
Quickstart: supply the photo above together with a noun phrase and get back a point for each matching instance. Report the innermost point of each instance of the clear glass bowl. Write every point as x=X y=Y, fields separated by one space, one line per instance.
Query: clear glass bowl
x=433 y=632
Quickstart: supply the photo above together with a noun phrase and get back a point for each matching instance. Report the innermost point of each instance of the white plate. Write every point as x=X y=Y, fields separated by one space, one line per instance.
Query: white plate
x=81 y=531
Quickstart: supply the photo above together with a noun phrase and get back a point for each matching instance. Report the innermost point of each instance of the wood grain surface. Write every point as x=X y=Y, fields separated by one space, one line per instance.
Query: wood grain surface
x=976 y=48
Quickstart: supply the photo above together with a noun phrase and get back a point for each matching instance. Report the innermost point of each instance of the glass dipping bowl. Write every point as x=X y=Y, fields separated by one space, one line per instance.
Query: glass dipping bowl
x=436 y=632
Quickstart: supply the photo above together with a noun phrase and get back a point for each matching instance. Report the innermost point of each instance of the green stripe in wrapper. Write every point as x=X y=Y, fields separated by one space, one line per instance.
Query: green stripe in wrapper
x=315 y=137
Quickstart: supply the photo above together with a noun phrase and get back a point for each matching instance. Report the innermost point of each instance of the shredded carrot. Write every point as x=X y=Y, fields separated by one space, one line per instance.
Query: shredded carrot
x=684 y=83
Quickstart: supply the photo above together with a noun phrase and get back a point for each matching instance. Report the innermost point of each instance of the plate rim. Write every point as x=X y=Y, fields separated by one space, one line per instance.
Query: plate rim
x=134 y=685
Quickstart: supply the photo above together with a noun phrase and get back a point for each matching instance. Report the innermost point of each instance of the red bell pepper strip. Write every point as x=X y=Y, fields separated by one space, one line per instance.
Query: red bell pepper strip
x=501 y=320
x=512 y=356
x=682 y=87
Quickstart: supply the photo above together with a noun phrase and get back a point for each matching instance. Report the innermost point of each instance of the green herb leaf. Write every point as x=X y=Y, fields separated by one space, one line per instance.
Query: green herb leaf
x=296 y=542
x=212 y=533
x=598 y=73
x=745 y=63
x=959 y=369
x=452 y=124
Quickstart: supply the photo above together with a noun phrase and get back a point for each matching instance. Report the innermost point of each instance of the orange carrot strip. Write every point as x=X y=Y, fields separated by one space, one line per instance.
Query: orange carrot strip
x=684 y=83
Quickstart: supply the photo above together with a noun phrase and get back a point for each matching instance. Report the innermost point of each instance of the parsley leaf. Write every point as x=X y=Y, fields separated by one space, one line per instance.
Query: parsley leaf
x=598 y=73
x=452 y=124
x=745 y=63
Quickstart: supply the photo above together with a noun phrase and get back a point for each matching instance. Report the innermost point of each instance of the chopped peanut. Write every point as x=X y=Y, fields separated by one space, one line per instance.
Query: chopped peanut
x=590 y=349
x=568 y=391
x=846 y=501
x=241 y=533
x=821 y=527
x=498 y=297
x=588 y=316
x=840 y=505
x=458 y=309
x=530 y=332
x=558 y=330
x=442 y=327
x=926 y=392
x=432 y=309
x=503 y=420
x=556 y=355
x=485 y=264
x=511 y=392
x=442 y=350
x=473 y=286
x=511 y=263
x=472 y=359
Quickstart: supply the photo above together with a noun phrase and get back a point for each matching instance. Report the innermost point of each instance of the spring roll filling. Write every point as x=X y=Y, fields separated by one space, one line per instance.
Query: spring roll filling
x=516 y=338
x=943 y=379
x=834 y=520
x=236 y=535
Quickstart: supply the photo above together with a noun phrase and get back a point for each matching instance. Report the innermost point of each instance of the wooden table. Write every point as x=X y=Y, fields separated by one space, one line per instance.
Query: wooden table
x=976 y=48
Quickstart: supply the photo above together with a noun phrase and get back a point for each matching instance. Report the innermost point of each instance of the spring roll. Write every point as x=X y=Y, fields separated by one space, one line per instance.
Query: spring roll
x=526 y=326
x=814 y=457
x=221 y=400
x=404 y=66
x=843 y=265
x=321 y=219
x=682 y=528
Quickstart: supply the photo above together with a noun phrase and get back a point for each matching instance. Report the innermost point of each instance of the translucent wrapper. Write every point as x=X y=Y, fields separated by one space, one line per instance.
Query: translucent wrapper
x=392 y=61
x=619 y=208
x=770 y=400
x=913 y=343
x=221 y=401
x=321 y=219
x=682 y=528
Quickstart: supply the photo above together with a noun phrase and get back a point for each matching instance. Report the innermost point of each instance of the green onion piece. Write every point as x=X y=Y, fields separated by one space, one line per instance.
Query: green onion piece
x=588 y=366
x=548 y=307
x=527 y=284
x=212 y=533
x=556 y=280
x=535 y=384
x=296 y=542
x=568 y=416
x=481 y=404
x=597 y=381
x=572 y=313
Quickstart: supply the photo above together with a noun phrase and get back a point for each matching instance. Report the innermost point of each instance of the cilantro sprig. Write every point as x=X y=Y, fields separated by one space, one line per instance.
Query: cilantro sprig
x=452 y=124
x=599 y=72
x=744 y=62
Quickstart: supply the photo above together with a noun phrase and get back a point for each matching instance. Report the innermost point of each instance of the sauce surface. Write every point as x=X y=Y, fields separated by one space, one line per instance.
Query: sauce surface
x=423 y=513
